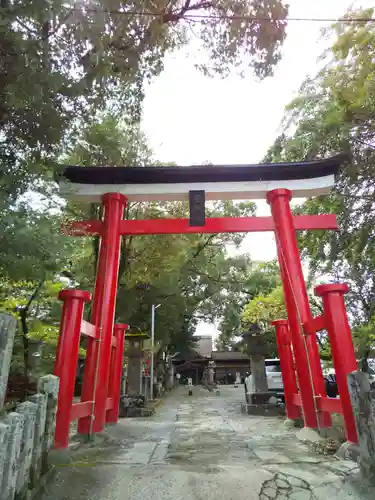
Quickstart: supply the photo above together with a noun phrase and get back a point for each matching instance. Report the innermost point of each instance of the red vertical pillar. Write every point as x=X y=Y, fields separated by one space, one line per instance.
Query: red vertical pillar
x=310 y=377
x=111 y=372
x=115 y=385
x=103 y=313
x=342 y=348
x=324 y=417
x=92 y=351
x=66 y=359
x=284 y=345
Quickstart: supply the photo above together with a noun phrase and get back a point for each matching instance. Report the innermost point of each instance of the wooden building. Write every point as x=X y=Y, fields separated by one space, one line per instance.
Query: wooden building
x=227 y=363
x=191 y=364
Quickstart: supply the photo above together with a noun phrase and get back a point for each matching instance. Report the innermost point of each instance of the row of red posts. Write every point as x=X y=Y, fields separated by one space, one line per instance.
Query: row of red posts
x=335 y=322
x=304 y=385
x=71 y=328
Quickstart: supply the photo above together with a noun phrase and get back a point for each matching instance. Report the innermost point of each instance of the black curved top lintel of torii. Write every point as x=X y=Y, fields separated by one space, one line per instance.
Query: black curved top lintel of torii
x=200 y=173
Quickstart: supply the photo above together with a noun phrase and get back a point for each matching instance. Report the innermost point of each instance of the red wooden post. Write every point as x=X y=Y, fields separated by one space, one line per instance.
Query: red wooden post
x=111 y=372
x=325 y=419
x=92 y=352
x=115 y=384
x=66 y=359
x=104 y=303
x=342 y=348
x=309 y=371
x=284 y=341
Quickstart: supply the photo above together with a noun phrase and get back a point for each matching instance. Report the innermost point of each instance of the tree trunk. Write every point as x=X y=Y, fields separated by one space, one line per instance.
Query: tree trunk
x=23 y=314
x=25 y=342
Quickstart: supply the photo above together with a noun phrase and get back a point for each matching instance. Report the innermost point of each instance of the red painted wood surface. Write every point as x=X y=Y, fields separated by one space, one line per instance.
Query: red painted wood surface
x=212 y=225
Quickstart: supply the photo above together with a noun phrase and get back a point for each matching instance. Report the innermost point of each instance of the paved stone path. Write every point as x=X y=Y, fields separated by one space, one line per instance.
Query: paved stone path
x=202 y=447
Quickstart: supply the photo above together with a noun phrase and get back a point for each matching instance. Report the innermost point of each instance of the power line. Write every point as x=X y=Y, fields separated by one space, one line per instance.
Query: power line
x=213 y=17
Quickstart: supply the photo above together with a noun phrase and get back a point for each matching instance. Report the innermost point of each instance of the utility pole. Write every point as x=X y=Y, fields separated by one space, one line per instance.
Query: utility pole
x=152 y=349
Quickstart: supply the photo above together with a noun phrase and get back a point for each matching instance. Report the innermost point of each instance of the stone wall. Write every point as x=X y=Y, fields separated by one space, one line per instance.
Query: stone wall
x=26 y=434
x=8 y=326
x=363 y=405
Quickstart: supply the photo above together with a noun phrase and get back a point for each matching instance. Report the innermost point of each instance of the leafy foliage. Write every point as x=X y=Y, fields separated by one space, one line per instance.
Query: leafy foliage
x=262 y=310
x=63 y=63
x=36 y=307
x=32 y=246
x=255 y=280
x=33 y=254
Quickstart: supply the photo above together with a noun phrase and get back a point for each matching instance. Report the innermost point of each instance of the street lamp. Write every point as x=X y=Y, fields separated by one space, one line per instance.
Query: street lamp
x=152 y=349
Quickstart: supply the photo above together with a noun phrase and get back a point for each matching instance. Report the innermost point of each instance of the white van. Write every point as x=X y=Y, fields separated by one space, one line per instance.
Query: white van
x=273 y=373
x=275 y=381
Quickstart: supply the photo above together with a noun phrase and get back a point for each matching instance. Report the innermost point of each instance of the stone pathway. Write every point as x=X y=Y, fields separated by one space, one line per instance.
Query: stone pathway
x=202 y=447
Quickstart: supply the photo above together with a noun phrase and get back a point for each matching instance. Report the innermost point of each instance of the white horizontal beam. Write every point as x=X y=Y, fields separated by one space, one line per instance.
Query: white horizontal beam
x=301 y=188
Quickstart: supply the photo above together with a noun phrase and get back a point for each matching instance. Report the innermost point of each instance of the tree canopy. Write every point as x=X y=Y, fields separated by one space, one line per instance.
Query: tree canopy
x=71 y=89
x=64 y=62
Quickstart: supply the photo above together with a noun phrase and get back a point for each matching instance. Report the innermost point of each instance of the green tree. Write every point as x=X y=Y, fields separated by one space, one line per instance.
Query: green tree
x=32 y=245
x=262 y=310
x=334 y=113
x=33 y=254
x=63 y=62
x=37 y=310
x=253 y=279
x=268 y=306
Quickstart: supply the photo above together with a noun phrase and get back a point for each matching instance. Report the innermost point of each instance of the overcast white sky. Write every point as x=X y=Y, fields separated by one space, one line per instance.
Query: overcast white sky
x=189 y=118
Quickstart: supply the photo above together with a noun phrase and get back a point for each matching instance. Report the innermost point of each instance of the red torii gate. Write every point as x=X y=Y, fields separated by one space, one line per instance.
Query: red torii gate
x=114 y=186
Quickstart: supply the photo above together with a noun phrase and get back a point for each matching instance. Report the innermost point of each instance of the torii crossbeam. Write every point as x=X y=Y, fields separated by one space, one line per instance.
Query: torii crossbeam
x=218 y=182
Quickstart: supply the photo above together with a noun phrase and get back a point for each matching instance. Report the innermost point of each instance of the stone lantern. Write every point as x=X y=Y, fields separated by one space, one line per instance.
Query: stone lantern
x=256 y=348
x=135 y=354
